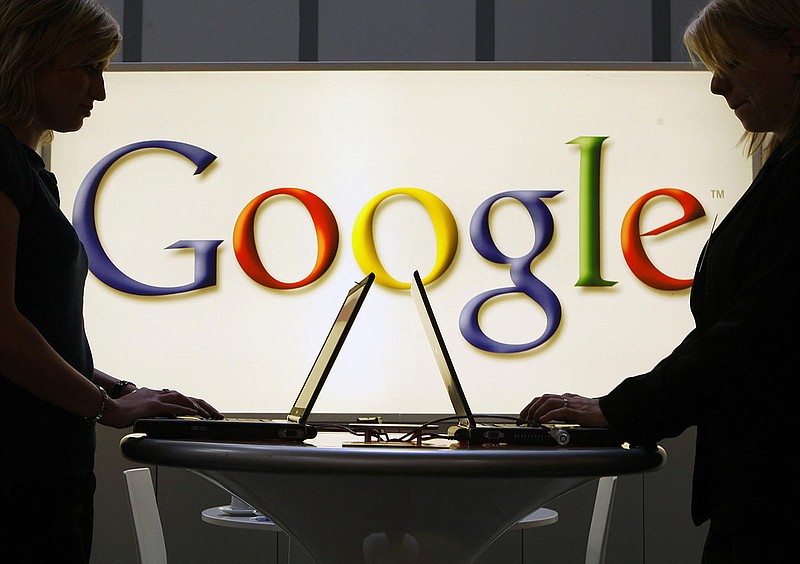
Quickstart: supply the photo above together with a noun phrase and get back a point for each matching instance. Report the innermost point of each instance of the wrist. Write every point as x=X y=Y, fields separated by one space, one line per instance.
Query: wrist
x=118 y=389
x=103 y=406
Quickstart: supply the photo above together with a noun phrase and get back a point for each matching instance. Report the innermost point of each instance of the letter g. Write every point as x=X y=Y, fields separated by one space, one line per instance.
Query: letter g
x=83 y=218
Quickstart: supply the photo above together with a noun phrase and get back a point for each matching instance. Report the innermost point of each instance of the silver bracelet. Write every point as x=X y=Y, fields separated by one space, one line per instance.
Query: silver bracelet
x=103 y=406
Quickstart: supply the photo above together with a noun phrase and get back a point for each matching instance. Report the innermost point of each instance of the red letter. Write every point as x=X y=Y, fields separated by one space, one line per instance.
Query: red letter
x=244 y=244
x=632 y=248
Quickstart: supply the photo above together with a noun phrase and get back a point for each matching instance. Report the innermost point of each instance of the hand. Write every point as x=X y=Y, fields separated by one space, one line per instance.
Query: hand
x=144 y=402
x=570 y=408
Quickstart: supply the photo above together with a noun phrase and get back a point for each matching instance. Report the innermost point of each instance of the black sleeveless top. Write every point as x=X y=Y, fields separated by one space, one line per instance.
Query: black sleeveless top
x=37 y=440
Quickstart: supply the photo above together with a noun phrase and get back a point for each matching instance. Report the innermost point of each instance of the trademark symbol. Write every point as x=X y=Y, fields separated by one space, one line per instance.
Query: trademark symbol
x=718 y=194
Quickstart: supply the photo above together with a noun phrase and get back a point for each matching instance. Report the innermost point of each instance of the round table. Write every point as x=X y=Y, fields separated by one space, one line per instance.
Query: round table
x=357 y=503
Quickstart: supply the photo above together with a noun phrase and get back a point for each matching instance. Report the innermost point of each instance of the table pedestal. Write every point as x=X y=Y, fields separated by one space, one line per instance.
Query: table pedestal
x=351 y=519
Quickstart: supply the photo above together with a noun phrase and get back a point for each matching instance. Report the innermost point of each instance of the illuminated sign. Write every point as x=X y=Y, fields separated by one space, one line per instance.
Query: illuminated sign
x=446 y=235
x=556 y=217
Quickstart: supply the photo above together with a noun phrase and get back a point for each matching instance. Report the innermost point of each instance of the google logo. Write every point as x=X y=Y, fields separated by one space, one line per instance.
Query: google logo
x=445 y=229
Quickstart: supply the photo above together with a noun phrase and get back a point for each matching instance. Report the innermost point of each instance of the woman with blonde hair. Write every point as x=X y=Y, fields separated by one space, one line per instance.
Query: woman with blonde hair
x=735 y=375
x=52 y=57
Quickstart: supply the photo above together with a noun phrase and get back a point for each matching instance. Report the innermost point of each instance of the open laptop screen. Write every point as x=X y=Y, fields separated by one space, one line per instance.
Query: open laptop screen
x=330 y=349
x=443 y=360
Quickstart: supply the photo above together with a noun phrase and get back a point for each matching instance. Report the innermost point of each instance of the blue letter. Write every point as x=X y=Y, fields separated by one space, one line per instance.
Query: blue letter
x=205 y=266
x=522 y=277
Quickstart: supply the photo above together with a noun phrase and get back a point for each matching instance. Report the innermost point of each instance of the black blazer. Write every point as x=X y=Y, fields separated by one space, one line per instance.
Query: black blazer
x=735 y=375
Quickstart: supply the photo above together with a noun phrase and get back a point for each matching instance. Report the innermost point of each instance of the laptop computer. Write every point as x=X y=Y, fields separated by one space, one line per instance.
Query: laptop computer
x=468 y=430
x=294 y=427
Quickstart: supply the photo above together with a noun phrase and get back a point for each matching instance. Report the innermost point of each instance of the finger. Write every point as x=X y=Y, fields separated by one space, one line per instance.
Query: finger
x=560 y=414
x=200 y=409
x=198 y=406
x=551 y=409
x=528 y=413
x=175 y=399
x=527 y=410
x=209 y=409
x=535 y=406
x=174 y=410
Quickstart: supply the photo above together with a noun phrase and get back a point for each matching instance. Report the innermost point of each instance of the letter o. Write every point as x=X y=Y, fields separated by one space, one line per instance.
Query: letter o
x=444 y=226
x=244 y=244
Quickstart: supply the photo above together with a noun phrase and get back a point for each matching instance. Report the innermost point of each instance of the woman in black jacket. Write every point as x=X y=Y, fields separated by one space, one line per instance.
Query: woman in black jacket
x=735 y=374
x=52 y=57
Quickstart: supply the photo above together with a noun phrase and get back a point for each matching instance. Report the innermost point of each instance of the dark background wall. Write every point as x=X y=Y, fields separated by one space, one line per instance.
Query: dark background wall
x=403 y=30
x=651 y=520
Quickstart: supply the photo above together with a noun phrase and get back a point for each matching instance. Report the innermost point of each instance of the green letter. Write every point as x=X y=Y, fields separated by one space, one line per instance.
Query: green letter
x=589 y=251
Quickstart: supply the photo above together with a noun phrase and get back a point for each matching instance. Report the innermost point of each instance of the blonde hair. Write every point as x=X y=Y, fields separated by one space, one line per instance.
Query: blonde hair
x=33 y=32
x=711 y=37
